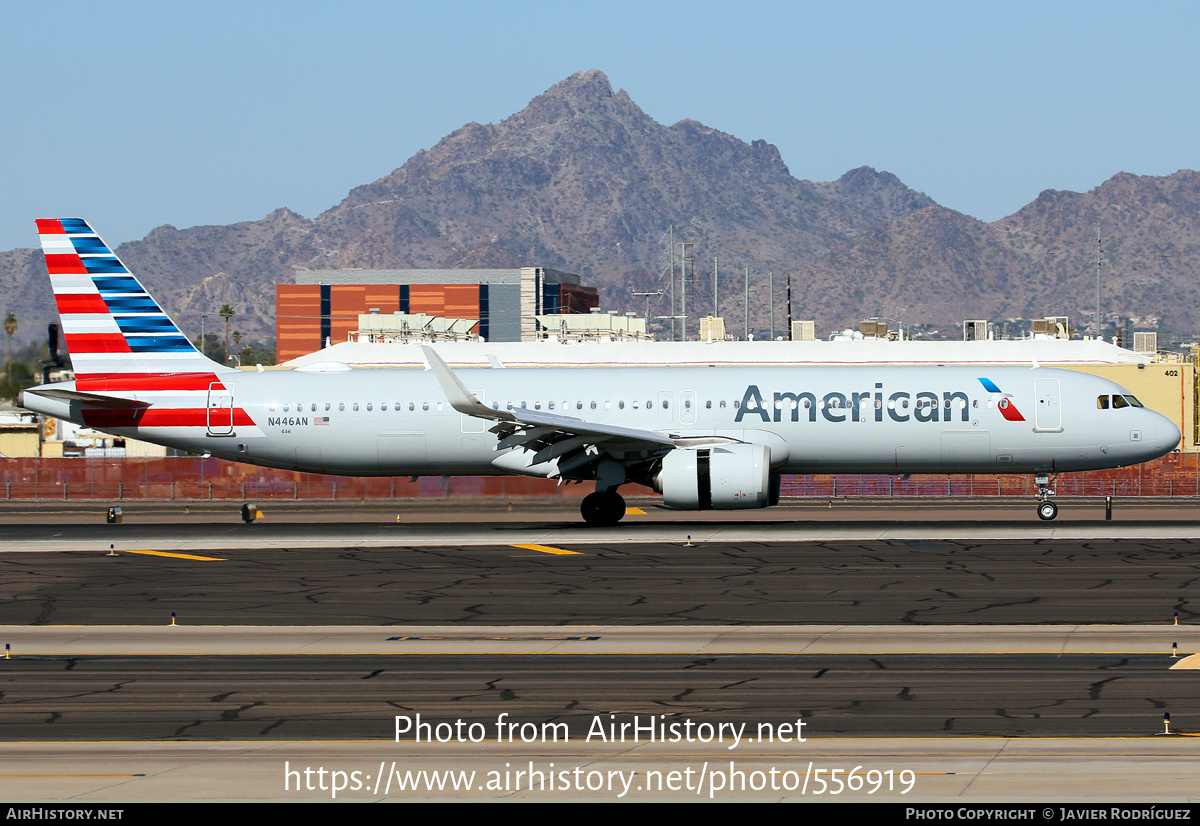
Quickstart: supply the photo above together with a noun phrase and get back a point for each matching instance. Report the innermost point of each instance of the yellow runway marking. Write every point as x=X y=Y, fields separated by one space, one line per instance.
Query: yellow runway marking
x=546 y=549
x=72 y=775
x=634 y=512
x=176 y=556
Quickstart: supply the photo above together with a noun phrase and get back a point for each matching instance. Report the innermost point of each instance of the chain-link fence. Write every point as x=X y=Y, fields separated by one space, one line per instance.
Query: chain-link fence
x=193 y=478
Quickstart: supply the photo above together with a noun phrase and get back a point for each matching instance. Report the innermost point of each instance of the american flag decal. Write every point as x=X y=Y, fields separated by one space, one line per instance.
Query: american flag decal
x=320 y=420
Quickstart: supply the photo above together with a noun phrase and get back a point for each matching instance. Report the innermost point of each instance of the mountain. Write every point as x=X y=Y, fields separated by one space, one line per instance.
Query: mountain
x=936 y=264
x=580 y=180
x=583 y=180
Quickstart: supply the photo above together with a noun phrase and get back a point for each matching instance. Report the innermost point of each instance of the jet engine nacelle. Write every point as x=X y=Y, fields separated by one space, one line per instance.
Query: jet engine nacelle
x=720 y=477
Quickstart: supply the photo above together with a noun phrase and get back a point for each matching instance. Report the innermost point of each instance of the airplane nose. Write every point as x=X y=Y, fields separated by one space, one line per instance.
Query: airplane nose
x=1168 y=435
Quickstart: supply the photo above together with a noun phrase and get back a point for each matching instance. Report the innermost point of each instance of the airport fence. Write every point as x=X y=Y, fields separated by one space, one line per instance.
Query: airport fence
x=100 y=478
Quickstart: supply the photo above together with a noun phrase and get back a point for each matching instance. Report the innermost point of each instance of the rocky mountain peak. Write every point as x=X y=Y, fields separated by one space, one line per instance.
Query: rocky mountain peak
x=582 y=86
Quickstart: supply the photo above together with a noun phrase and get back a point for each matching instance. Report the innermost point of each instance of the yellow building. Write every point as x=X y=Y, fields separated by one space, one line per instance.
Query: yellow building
x=19 y=434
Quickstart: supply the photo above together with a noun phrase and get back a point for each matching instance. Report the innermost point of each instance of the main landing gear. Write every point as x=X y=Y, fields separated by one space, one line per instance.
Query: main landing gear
x=1046 y=510
x=603 y=509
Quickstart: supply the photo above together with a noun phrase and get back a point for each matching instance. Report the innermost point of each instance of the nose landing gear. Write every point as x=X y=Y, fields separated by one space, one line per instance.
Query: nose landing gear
x=1046 y=510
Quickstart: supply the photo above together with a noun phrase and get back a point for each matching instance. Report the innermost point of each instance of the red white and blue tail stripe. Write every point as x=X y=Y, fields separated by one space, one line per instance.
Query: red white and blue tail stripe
x=111 y=325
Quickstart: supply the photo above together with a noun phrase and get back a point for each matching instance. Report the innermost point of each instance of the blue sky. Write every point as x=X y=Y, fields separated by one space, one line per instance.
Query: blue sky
x=133 y=115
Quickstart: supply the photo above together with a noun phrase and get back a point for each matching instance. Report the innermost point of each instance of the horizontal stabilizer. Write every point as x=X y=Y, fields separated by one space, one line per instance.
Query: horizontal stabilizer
x=88 y=399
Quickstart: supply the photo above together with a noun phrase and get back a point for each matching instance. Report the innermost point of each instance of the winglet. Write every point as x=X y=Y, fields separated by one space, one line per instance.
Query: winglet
x=459 y=396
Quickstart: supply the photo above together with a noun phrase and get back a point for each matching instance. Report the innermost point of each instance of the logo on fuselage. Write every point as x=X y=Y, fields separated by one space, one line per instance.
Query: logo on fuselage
x=1007 y=409
x=901 y=406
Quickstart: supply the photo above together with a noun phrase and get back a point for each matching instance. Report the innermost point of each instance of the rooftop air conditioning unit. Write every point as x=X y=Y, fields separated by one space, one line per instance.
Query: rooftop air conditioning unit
x=1145 y=343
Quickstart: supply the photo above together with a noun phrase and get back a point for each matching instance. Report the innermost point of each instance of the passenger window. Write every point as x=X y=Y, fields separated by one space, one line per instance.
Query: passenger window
x=271 y=407
x=621 y=405
x=708 y=405
x=356 y=407
x=341 y=406
x=286 y=408
x=369 y=407
x=722 y=404
x=579 y=405
x=425 y=405
x=328 y=406
x=593 y=405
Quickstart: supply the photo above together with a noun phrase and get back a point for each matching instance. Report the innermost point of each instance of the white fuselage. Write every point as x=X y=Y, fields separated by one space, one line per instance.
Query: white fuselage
x=864 y=419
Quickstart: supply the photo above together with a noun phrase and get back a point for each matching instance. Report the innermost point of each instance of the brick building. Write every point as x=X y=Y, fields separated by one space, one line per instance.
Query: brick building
x=324 y=305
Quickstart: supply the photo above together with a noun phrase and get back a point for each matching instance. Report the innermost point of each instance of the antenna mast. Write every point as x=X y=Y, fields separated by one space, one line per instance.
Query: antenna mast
x=1099 y=262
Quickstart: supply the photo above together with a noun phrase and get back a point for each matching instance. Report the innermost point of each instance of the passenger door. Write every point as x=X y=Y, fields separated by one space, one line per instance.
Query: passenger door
x=1048 y=415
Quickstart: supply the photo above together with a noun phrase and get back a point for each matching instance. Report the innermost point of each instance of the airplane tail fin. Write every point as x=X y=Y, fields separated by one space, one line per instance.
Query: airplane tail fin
x=112 y=326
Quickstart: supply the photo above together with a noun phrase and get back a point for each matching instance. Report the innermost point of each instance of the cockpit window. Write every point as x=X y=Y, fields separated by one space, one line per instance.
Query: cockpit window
x=1119 y=402
x=1102 y=402
x=1133 y=402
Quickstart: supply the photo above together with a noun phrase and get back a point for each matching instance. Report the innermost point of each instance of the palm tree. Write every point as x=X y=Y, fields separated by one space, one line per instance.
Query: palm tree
x=10 y=327
x=226 y=313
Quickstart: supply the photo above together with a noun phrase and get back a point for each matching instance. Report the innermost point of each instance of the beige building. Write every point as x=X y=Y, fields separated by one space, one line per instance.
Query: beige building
x=20 y=434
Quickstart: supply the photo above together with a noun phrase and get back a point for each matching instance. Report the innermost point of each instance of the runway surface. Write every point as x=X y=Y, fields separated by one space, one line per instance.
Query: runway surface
x=915 y=582
x=945 y=648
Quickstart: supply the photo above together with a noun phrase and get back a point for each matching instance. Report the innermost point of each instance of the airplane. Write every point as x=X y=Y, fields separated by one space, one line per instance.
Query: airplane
x=704 y=437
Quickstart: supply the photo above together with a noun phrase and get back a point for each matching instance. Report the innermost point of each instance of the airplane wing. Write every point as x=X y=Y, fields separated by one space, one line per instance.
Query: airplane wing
x=533 y=438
